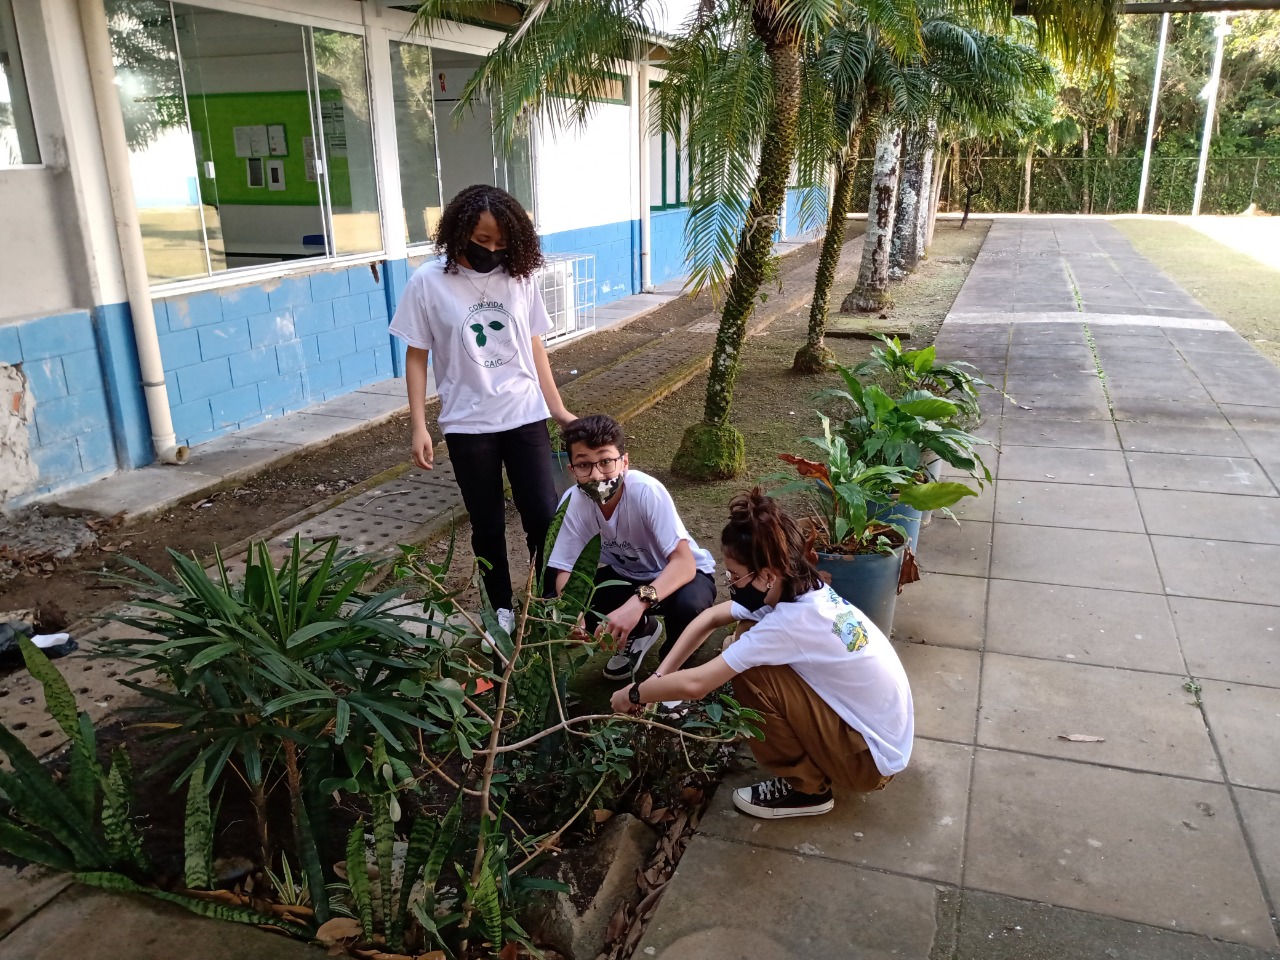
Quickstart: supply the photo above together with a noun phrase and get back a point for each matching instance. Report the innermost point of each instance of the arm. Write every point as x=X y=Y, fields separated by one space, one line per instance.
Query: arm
x=680 y=569
x=550 y=392
x=415 y=374
x=682 y=685
x=695 y=635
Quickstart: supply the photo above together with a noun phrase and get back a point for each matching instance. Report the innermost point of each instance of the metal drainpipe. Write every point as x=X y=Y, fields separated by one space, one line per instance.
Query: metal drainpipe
x=115 y=148
x=646 y=227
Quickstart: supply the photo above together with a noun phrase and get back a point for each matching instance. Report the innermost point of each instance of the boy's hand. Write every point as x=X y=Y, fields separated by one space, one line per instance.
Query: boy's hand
x=423 y=450
x=622 y=621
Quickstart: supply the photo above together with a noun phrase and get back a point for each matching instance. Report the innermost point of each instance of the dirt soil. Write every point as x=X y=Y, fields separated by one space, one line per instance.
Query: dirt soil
x=262 y=503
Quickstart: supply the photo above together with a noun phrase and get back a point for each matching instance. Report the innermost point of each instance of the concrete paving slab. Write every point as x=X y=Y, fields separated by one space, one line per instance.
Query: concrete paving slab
x=1261 y=813
x=1177 y=390
x=1138 y=846
x=1263 y=442
x=1077 y=353
x=1063 y=465
x=1005 y=928
x=1048 y=333
x=1148 y=721
x=1212 y=570
x=137 y=493
x=1176 y=471
x=1244 y=723
x=1229 y=641
x=1030 y=390
x=914 y=826
x=942 y=610
x=1211 y=516
x=307 y=429
x=1186 y=439
x=25 y=890
x=1052 y=504
x=139 y=926
x=1243 y=415
x=366 y=407
x=234 y=457
x=963 y=548
x=1063 y=407
x=1079 y=558
x=944 y=689
x=816 y=909
x=1110 y=628
x=1245 y=394
x=1075 y=434
x=1168 y=411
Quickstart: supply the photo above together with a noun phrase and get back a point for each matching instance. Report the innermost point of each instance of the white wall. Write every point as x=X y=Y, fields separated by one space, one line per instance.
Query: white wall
x=586 y=178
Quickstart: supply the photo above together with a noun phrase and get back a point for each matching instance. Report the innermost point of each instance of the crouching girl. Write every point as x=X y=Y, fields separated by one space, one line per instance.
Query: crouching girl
x=834 y=699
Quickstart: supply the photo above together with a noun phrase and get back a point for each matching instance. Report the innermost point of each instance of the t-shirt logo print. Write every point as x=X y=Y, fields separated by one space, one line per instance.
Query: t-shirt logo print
x=850 y=631
x=487 y=334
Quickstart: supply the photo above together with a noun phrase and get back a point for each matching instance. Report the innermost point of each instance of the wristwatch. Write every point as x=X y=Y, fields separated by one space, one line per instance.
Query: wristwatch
x=648 y=593
x=634 y=694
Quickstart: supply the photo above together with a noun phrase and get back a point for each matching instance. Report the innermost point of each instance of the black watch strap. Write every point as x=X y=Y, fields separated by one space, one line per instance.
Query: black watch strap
x=634 y=693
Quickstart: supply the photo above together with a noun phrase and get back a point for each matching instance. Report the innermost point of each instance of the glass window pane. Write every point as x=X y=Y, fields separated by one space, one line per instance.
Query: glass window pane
x=672 y=178
x=17 y=131
x=411 y=79
x=348 y=141
x=465 y=139
x=655 y=170
x=161 y=148
x=250 y=111
x=519 y=168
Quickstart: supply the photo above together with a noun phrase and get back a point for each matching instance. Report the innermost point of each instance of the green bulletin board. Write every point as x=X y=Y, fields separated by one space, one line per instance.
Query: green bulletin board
x=215 y=116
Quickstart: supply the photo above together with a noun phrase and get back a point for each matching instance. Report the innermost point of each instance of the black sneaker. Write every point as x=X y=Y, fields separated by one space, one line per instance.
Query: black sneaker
x=774 y=799
x=622 y=665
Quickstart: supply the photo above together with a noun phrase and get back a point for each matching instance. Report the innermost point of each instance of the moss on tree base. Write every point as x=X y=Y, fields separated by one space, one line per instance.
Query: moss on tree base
x=866 y=302
x=811 y=359
x=710 y=451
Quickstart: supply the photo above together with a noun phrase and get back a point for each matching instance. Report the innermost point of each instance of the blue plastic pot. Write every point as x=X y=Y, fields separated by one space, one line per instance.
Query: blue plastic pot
x=908 y=518
x=868 y=581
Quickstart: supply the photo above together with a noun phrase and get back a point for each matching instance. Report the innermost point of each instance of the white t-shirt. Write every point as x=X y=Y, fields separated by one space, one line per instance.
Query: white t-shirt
x=637 y=540
x=479 y=328
x=844 y=657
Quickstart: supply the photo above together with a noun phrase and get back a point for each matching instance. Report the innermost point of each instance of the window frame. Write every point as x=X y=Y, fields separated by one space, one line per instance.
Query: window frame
x=681 y=158
x=22 y=84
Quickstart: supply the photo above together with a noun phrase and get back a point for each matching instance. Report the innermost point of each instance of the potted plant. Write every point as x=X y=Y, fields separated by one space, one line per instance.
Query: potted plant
x=917 y=433
x=899 y=371
x=861 y=551
x=559 y=459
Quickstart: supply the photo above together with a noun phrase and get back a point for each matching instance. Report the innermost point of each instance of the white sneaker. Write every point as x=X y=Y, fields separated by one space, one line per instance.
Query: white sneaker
x=622 y=665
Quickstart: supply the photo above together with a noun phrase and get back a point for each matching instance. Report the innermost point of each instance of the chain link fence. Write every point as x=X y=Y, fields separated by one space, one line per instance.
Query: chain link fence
x=1108 y=185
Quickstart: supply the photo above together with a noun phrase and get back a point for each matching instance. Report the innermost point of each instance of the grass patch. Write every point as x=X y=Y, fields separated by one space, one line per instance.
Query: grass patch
x=1236 y=287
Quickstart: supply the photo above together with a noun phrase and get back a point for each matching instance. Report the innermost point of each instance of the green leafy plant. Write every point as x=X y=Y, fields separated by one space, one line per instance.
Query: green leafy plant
x=844 y=495
x=901 y=371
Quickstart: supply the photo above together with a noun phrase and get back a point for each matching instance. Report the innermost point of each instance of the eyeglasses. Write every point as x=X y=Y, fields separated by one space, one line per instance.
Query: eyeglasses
x=607 y=466
x=731 y=581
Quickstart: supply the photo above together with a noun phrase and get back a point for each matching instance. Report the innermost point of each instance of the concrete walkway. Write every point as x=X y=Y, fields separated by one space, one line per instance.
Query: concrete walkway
x=1121 y=581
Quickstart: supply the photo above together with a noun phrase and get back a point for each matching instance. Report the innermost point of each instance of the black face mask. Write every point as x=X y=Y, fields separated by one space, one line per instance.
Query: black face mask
x=749 y=597
x=482 y=259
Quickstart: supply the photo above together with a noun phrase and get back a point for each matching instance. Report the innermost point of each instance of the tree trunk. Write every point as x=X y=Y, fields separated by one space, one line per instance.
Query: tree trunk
x=814 y=357
x=1026 y=180
x=925 y=208
x=713 y=449
x=904 y=252
x=871 y=294
x=1086 y=201
x=941 y=159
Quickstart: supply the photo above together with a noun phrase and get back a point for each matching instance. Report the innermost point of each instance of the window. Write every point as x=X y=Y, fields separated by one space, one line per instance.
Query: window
x=441 y=152
x=668 y=168
x=17 y=131
x=250 y=140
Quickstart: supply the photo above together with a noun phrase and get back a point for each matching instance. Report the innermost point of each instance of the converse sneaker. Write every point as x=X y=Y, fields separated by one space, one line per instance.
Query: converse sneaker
x=774 y=799
x=641 y=640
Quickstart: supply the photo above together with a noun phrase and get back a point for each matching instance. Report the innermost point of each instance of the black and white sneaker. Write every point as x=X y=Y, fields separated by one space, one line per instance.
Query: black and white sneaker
x=775 y=799
x=622 y=665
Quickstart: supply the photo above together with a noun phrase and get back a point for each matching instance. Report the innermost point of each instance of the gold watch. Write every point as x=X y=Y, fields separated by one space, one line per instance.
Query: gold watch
x=648 y=593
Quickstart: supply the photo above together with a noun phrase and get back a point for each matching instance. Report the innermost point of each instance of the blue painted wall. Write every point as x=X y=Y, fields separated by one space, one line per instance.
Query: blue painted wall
x=792 y=227
x=71 y=436
x=238 y=356
x=666 y=244
x=613 y=247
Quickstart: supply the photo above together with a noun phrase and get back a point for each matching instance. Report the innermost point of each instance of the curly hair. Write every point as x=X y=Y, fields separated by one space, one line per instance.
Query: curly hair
x=458 y=222
x=760 y=534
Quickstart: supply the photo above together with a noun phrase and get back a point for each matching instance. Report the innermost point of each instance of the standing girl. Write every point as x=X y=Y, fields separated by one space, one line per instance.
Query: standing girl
x=833 y=696
x=479 y=311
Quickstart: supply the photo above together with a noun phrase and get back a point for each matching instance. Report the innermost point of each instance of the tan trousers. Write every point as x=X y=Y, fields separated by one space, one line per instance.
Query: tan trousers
x=805 y=741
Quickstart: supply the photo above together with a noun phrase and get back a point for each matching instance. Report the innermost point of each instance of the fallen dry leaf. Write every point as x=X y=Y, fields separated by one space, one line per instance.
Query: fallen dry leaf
x=433 y=955
x=600 y=816
x=1081 y=738
x=617 y=923
x=339 y=928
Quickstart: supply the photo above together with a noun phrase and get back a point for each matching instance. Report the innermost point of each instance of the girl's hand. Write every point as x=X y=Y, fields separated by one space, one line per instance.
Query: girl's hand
x=563 y=417
x=621 y=701
x=423 y=451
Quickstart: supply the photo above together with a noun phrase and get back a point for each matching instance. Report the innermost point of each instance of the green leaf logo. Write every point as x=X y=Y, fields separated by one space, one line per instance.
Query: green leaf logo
x=495 y=325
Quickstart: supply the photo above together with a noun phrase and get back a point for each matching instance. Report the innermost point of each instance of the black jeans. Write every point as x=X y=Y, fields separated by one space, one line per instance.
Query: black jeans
x=478 y=459
x=677 y=610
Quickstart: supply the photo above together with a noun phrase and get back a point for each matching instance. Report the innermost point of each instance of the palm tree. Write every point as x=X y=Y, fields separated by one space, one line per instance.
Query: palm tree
x=559 y=61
